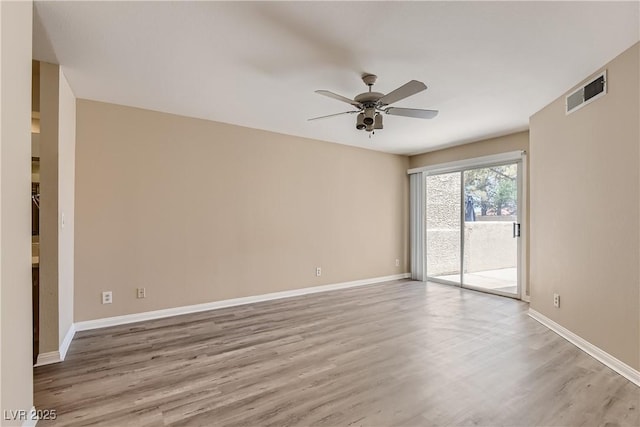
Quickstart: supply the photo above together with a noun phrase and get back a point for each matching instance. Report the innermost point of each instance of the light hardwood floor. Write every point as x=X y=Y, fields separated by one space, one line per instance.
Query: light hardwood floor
x=393 y=354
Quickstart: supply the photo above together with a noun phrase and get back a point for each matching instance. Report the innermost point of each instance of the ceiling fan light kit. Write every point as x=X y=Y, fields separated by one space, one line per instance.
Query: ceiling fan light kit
x=369 y=114
x=378 y=122
x=371 y=105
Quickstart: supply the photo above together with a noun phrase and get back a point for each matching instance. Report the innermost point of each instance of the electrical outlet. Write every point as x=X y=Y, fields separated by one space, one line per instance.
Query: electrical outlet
x=556 y=300
x=142 y=293
x=318 y=271
x=107 y=297
x=397 y=262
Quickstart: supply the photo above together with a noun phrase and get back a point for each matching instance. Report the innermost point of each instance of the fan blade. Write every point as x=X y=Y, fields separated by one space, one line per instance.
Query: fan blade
x=404 y=91
x=333 y=115
x=412 y=112
x=338 y=97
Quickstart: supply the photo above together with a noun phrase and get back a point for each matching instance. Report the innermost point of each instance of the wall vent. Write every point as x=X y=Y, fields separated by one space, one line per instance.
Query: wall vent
x=588 y=93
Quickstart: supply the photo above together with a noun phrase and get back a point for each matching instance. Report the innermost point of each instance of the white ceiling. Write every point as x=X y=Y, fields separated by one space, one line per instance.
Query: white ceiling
x=488 y=65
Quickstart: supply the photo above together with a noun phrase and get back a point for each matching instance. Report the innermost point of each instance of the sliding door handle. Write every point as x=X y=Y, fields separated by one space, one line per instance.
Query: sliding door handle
x=516 y=229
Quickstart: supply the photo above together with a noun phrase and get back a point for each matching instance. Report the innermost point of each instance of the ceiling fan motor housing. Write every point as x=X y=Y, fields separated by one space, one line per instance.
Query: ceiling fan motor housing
x=368 y=98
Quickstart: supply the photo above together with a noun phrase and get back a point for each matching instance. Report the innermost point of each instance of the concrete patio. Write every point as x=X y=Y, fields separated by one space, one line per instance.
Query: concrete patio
x=502 y=280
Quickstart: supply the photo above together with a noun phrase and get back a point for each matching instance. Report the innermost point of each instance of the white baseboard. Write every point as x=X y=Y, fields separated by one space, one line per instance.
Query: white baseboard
x=48 y=358
x=597 y=353
x=32 y=419
x=159 y=314
x=57 y=356
x=67 y=341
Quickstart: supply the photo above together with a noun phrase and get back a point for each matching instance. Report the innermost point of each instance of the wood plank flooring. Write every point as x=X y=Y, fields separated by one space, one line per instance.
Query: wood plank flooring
x=393 y=354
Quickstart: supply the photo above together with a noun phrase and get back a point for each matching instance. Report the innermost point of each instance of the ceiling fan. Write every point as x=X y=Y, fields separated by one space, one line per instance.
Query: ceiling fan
x=371 y=105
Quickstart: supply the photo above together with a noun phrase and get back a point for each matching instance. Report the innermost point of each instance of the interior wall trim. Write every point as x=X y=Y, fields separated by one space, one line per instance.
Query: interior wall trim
x=67 y=341
x=458 y=165
x=52 y=357
x=159 y=314
x=32 y=418
x=596 y=352
x=48 y=358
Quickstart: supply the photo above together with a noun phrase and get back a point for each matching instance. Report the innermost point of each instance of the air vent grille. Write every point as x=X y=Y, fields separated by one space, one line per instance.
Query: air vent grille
x=586 y=94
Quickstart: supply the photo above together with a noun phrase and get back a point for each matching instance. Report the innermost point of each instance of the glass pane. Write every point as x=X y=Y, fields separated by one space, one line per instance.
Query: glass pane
x=490 y=248
x=443 y=226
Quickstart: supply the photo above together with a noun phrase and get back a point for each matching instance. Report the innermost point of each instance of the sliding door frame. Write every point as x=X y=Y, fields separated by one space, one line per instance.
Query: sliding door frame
x=460 y=166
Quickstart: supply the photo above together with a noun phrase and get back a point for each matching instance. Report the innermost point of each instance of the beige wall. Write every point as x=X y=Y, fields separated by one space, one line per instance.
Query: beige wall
x=199 y=211
x=66 y=200
x=49 y=100
x=16 y=378
x=502 y=144
x=584 y=214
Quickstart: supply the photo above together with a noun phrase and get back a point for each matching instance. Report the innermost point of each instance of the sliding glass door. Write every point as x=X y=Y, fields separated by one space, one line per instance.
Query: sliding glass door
x=491 y=228
x=473 y=228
